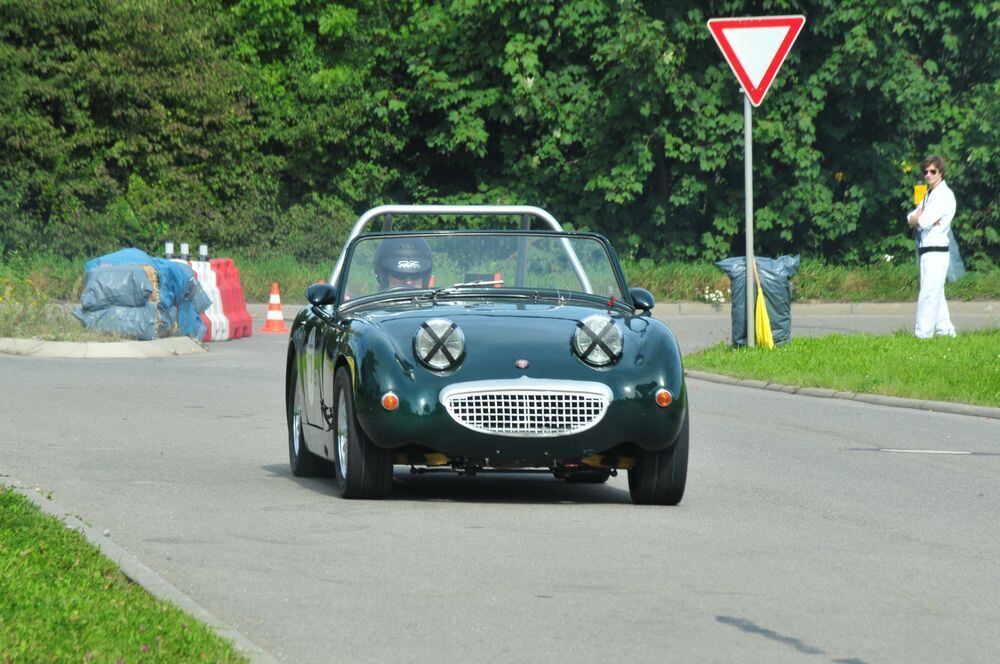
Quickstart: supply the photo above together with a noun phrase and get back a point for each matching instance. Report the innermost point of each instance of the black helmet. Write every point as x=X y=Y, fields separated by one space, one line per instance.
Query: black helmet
x=403 y=258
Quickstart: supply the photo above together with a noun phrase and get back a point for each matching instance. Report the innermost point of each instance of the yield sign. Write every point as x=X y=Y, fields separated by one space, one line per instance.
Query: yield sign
x=755 y=48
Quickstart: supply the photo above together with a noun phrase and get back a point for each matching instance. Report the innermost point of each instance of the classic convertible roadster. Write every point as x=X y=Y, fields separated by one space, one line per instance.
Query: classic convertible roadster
x=477 y=351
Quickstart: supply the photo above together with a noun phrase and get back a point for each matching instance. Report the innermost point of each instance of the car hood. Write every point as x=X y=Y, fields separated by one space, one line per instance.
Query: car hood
x=506 y=331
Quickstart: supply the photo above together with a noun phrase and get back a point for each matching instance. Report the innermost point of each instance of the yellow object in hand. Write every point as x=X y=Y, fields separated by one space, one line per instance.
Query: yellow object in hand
x=919 y=192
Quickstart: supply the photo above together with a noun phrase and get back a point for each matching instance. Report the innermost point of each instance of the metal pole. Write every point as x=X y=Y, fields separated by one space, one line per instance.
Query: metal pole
x=748 y=177
x=520 y=273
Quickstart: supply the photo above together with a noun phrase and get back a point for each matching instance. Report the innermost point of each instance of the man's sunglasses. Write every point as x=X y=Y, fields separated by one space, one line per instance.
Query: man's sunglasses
x=931 y=171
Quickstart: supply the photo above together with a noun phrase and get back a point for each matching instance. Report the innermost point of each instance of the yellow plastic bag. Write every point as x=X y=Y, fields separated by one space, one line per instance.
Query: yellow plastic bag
x=762 y=322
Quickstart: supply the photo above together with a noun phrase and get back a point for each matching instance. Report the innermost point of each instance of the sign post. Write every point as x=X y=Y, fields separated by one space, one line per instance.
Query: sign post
x=755 y=48
x=748 y=196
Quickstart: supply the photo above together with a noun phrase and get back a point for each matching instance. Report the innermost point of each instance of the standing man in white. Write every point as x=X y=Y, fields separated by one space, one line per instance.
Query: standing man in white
x=932 y=218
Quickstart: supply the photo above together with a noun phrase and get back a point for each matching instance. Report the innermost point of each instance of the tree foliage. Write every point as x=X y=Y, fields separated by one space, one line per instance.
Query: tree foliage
x=119 y=122
x=269 y=125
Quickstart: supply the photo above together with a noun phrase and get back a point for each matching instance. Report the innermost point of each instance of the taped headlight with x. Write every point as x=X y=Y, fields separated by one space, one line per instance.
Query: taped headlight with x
x=439 y=344
x=597 y=340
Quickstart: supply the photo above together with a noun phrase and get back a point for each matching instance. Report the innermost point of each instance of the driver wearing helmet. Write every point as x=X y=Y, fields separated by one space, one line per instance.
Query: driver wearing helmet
x=403 y=262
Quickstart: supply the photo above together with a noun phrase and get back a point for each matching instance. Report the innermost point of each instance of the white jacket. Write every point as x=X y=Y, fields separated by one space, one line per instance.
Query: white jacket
x=939 y=209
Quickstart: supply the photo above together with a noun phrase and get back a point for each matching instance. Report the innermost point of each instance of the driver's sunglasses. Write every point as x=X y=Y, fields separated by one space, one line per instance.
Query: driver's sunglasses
x=931 y=171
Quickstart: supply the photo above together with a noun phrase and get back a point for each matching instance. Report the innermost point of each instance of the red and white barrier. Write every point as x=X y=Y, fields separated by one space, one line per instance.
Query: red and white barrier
x=228 y=317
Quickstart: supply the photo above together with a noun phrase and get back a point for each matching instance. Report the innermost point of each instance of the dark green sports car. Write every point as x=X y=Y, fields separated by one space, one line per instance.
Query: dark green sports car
x=477 y=351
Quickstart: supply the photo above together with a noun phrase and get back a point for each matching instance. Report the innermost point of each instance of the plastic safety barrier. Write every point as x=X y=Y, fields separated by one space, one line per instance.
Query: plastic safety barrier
x=227 y=318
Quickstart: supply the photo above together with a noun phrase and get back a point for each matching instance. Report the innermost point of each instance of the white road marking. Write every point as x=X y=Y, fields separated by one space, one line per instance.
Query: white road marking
x=924 y=451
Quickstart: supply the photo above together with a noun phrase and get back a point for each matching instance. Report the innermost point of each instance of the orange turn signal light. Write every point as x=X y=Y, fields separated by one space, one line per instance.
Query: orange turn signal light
x=390 y=401
x=664 y=398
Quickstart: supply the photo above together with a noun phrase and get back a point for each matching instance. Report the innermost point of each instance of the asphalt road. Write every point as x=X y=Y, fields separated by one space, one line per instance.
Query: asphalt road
x=798 y=540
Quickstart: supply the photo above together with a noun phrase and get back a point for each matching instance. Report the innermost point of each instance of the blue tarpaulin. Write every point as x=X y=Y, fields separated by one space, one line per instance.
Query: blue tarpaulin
x=110 y=286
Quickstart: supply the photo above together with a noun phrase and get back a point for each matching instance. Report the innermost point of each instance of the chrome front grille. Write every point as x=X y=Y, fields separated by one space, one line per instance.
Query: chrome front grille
x=527 y=407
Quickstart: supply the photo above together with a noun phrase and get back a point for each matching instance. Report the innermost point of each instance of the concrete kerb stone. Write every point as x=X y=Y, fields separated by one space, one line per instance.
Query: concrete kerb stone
x=167 y=347
x=823 y=392
x=878 y=399
x=20 y=346
x=139 y=573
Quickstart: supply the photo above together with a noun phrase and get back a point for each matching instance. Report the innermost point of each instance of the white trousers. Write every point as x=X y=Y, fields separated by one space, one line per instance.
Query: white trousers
x=932 y=309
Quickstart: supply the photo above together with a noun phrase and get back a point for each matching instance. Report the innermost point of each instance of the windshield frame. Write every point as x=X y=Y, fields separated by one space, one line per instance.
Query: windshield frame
x=479 y=291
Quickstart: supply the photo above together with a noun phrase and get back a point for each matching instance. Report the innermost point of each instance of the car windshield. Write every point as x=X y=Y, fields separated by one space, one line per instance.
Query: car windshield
x=461 y=263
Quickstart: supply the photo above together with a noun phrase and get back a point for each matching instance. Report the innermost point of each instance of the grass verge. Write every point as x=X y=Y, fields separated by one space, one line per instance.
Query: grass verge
x=39 y=320
x=679 y=282
x=60 y=279
x=26 y=311
x=965 y=369
x=63 y=601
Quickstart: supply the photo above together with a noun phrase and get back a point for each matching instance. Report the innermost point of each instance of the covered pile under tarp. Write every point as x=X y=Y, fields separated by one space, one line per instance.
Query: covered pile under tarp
x=140 y=297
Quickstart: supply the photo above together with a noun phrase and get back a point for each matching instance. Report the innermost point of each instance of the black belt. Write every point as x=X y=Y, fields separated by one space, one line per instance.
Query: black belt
x=923 y=250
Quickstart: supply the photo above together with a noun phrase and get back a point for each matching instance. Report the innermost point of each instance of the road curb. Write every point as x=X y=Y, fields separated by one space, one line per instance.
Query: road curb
x=879 y=399
x=139 y=573
x=166 y=347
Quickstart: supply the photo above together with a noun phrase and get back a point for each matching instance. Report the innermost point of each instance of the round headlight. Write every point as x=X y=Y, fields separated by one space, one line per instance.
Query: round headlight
x=597 y=340
x=439 y=344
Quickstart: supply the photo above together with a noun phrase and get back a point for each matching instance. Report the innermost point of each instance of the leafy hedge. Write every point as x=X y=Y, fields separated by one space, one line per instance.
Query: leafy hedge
x=268 y=125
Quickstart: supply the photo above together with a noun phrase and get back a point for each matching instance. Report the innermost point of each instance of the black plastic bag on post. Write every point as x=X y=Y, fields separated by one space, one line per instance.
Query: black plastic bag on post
x=775 y=278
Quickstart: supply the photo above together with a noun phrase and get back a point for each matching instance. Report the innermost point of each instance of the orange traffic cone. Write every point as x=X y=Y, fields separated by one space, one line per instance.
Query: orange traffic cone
x=275 y=320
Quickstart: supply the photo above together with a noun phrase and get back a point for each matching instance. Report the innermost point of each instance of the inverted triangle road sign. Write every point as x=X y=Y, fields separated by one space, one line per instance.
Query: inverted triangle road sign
x=755 y=48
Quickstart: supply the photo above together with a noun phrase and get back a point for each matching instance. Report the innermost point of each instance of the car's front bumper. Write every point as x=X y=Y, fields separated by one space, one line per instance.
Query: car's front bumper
x=423 y=420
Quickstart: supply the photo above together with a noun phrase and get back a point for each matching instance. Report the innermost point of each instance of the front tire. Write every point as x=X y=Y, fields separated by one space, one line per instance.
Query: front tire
x=658 y=478
x=363 y=469
x=301 y=461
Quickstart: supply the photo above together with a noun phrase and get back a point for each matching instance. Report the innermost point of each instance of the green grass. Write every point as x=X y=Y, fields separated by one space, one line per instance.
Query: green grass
x=26 y=311
x=41 y=320
x=965 y=369
x=63 y=601
x=294 y=276
x=54 y=277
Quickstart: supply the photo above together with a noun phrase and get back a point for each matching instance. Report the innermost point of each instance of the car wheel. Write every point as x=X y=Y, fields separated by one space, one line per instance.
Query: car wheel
x=302 y=462
x=362 y=468
x=658 y=478
x=597 y=476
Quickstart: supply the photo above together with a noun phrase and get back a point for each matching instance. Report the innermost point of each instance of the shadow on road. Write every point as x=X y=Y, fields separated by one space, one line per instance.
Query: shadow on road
x=318 y=484
x=515 y=488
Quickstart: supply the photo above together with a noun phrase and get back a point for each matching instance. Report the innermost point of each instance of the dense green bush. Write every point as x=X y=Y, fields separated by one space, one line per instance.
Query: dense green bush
x=267 y=125
x=119 y=124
